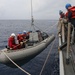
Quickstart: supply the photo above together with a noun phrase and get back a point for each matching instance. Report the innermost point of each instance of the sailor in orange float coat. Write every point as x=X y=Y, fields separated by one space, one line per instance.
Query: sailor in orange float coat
x=11 y=42
x=62 y=15
x=20 y=37
x=70 y=14
x=27 y=35
x=24 y=35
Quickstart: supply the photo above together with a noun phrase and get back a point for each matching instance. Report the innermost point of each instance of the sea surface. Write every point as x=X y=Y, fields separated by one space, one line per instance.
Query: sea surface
x=35 y=65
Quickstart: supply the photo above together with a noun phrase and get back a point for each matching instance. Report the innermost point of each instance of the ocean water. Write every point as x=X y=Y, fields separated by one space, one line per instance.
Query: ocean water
x=35 y=65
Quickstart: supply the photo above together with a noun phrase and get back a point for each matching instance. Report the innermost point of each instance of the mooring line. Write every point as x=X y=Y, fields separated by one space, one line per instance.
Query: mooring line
x=16 y=64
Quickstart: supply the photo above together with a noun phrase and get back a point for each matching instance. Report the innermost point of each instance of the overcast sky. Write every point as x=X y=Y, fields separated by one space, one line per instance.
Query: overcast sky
x=42 y=9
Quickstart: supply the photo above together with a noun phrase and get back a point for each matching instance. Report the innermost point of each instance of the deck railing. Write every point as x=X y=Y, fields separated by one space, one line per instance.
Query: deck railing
x=66 y=35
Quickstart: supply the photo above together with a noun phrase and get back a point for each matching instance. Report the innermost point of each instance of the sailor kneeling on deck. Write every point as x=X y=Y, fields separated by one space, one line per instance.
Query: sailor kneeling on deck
x=12 y=44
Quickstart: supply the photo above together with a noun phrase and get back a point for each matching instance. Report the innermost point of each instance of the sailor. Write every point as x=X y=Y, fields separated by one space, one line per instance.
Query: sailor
x=27 y=35
x=61 y=21
x=62 y=15
x=20 y=39
x=24 y=35
x=70 y=14
x=11 y=42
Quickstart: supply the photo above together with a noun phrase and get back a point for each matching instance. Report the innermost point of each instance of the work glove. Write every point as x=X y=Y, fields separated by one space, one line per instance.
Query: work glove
x=21 y=43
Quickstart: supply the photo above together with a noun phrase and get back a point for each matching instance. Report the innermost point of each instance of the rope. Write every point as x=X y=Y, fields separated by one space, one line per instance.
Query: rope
x=46 y=58
x=16 y=64
x=51 y=26
x=47 y=27
x=38 y=28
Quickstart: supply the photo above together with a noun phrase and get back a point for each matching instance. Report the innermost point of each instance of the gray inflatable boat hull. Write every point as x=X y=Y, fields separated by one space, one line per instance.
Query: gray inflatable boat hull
x=25 y=53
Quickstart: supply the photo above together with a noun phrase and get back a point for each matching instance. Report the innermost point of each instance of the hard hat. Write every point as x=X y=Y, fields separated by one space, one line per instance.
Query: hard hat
x=19 y=32
x=60 y=11
x=13 y=34
x=67 y=5
x=24 y=31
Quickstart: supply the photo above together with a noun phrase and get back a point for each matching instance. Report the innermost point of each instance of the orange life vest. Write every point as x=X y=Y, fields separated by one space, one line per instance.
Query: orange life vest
x=24 y=36
x=20 y=38
x=12 y=44
x=71 y=9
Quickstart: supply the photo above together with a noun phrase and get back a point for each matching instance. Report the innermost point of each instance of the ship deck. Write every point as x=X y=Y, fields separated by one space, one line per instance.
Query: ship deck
x=69 y=69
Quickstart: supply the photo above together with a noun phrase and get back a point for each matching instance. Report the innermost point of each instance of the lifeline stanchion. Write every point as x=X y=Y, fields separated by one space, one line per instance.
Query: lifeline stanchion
x=16 y=64
x=68 y=43
x=63 y=33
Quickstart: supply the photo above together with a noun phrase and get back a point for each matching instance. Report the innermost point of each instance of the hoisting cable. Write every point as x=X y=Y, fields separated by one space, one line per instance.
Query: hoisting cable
x=47 y=27
x=39 y=28
x=47 y=58
x=51 y=27
x=16 y=64
x=32 y=20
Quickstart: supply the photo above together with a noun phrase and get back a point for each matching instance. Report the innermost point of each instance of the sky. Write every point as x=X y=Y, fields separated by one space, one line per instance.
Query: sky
x=42 y=9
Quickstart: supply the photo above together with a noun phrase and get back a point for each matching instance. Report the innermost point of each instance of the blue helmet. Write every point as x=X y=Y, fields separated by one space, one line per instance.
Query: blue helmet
x=19 y=32
x=67 y=5
x=24 y=32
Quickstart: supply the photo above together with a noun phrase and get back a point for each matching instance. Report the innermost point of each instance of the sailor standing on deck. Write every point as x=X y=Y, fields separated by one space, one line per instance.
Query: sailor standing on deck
x=61 y=19
x=70 y=14
x=62 y=15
